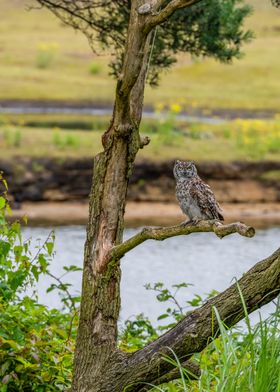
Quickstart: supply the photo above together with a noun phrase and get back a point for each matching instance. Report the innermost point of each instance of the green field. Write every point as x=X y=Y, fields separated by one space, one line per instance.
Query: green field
x=40 y=59
x=71 y=136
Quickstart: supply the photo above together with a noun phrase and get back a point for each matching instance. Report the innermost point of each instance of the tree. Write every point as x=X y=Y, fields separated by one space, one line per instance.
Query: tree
x=145 y=36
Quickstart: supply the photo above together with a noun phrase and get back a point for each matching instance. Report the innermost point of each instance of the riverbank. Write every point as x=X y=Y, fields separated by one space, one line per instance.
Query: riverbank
x=68 y=180
x=260 y=215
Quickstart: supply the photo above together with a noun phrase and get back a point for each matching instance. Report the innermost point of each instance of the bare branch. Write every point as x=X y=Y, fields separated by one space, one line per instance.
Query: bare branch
x=162 y=233
x=259 y=286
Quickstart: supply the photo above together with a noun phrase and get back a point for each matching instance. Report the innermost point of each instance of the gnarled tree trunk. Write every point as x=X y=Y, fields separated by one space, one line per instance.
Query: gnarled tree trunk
x=100 y=305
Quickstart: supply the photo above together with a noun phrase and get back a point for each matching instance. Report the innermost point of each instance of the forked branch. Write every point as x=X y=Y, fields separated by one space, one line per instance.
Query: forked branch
x=161 y=16
x=162 y=233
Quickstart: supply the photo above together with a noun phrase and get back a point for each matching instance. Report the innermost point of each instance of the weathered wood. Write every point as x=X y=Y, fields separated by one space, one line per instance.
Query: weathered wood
x=162 y=233
x=100 y=303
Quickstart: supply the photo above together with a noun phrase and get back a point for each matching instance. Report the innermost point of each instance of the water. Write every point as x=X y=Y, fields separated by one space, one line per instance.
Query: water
x=201 y=259
x=18 y=109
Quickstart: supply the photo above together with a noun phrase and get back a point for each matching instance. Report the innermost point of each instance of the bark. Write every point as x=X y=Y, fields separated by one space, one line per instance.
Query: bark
x=100 y=304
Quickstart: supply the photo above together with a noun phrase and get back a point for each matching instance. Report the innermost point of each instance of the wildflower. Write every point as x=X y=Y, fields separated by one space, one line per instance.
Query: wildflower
x=175 y=108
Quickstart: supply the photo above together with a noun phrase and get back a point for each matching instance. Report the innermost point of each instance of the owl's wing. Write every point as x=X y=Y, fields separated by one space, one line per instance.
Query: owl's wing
x=205 y=199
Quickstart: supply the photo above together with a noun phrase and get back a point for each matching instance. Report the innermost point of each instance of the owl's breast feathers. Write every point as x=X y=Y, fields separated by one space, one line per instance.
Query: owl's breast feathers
x=205 y=199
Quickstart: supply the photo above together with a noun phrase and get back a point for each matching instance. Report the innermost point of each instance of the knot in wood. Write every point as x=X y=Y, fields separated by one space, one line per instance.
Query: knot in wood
x=124 y=130
x=145 y=9
x=144 y=141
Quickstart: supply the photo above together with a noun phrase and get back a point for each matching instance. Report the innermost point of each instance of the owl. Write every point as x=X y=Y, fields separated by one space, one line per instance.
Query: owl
x=195 y=198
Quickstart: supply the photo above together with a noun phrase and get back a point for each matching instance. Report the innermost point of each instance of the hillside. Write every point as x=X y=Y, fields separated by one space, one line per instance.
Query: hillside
x=48 y=61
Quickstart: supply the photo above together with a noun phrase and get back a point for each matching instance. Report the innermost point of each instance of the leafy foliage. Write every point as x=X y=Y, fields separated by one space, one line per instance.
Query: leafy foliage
x=209 y=28
x=139 y=331
x=36 y=343
x=239 y=360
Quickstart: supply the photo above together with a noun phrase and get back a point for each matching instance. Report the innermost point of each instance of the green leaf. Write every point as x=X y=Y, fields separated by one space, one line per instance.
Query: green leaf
x=4 y=248
x=10 y=344
x=43 y=262
x=18 y=251
x=162 y=316
x=72 y=268
x=17 y=279
x=2 y=202
x=35 y=272
x=50 y=246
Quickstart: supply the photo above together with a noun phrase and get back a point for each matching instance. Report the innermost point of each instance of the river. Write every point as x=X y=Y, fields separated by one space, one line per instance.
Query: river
x=201 y=259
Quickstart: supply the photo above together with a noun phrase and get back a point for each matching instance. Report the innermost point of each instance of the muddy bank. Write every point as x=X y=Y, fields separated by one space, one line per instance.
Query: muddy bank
x=58 y=180
x=259 y=215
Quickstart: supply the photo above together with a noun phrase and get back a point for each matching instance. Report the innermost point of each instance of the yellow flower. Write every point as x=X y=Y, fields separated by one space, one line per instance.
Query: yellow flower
x=175 y=108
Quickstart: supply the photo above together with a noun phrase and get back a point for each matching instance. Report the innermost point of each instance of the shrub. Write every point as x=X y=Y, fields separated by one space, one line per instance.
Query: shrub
x=95 y=69
x=36 y=343
x=46 y=54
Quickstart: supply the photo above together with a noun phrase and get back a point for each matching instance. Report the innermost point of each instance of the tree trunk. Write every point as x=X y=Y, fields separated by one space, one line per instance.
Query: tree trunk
x=100 y=303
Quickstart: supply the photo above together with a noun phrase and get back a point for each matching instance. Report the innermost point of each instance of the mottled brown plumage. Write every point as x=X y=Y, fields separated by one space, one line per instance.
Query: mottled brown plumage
x=195 y=197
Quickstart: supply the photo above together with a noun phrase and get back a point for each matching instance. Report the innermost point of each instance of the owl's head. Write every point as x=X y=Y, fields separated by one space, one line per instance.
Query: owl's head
x=184 y=170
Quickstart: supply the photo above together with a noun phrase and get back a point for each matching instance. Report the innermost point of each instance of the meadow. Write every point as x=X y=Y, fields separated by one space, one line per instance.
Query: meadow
x=75 y=136
x=48 y=61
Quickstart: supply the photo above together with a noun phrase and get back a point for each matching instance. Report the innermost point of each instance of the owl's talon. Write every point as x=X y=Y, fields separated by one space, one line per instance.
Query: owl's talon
x=187 y=223
x=196 y=221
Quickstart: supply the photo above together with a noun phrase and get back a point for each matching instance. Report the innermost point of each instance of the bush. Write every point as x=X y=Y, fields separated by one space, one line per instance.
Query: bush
x=95 y=69
x=36 y=343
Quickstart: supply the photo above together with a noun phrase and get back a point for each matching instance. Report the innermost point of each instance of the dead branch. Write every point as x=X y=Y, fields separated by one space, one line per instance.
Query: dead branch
x=162 y=233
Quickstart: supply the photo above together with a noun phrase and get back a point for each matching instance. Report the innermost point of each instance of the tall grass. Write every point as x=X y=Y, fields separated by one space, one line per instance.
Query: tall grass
x=240 y=360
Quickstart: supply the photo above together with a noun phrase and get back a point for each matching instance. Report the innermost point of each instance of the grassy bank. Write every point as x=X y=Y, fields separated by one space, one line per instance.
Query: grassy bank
x=41 y=59
x=72 y=136
x=245 y=358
